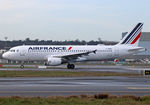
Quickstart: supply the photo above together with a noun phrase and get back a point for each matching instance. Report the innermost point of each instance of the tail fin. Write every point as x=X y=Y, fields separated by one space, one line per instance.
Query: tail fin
x=133 y=37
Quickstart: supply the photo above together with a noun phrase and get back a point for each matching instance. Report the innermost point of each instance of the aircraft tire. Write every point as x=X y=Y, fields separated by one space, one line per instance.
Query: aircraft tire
x=22 y=66
x=70 y=66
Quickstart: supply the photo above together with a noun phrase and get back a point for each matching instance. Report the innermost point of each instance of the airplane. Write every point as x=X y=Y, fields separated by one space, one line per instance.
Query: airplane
x=69 y=54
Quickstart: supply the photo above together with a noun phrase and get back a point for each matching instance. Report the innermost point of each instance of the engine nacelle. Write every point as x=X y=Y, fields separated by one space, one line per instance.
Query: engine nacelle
x=54 y=61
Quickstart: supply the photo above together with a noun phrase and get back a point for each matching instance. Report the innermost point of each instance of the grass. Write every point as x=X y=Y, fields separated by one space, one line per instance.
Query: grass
x=77 y=100
x=30 y=73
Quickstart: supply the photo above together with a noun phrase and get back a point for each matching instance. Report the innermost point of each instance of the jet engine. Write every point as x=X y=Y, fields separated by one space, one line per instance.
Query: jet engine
x=53 y=61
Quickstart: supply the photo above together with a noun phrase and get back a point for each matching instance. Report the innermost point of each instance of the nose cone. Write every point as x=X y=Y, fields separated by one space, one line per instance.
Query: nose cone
x=5 y=56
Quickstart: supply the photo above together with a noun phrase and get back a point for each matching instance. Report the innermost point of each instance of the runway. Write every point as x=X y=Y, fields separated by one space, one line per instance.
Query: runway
x=48 y=86
x=44 y=86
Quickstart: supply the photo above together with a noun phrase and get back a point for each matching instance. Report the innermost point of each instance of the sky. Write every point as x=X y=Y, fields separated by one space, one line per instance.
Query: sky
x=71 y=19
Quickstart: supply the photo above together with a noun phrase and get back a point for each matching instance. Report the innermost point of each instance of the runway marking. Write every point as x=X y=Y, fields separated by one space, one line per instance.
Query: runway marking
x=6 y=92
x=138 y=87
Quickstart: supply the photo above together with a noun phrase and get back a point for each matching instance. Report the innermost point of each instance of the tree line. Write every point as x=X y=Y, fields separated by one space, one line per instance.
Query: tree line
x=8 y=44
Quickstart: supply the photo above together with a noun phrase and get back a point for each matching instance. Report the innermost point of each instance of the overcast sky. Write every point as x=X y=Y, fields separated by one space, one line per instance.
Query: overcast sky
x=71 y=19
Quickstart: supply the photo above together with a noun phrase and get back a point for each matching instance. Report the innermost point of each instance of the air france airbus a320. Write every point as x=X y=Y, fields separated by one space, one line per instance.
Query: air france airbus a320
x=57 y=55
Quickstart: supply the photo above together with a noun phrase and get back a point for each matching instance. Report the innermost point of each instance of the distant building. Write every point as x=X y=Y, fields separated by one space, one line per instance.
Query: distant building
x=123 y=34
x=145 y=42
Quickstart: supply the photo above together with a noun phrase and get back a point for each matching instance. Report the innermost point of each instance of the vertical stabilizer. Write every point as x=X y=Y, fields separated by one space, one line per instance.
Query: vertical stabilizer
x=133 y=37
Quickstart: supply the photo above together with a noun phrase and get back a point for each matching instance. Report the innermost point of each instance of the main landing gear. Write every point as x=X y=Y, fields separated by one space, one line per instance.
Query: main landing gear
x=70 y=66
x=21 y=66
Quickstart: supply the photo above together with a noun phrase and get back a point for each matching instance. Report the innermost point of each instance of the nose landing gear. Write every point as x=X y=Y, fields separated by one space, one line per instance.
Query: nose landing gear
x=22 y=65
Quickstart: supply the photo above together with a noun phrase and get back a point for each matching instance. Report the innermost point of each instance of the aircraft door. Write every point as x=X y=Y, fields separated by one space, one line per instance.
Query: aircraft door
x=22 y=53
x=116 y=52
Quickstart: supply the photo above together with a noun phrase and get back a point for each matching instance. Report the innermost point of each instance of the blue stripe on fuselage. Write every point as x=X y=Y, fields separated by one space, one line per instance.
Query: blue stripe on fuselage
x=134 y=34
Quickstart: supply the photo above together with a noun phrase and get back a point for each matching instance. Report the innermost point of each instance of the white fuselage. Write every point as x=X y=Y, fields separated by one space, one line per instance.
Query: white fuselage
x=43 y=52
x=57 y=55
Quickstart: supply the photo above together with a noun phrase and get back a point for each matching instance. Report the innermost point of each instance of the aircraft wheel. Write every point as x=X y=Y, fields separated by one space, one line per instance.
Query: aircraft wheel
x=22 y=66
x=70 y=66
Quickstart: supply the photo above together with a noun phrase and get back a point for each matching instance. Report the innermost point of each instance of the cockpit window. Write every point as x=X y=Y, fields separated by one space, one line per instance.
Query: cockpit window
x=12 y=50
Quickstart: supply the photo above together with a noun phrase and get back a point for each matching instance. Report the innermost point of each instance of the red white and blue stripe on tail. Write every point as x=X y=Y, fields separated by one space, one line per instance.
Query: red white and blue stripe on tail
x=133 y=37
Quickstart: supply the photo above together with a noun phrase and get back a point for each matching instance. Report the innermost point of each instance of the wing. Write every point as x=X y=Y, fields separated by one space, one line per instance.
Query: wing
x=76 y=55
